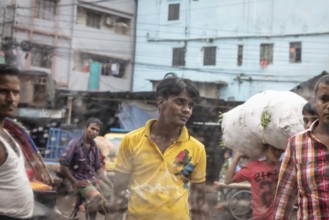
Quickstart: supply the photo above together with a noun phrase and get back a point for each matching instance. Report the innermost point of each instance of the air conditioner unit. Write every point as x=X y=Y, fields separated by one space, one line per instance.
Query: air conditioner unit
x=40 y=80
x=109 y=21
x=121 y=24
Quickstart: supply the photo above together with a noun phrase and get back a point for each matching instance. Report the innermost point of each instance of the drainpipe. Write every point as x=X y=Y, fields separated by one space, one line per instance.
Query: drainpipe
x=55 y=42
x=3 y=27
x=69 y=109
x=30 y=37
x=71 y=51
x=134 y=47
x=187 y=26
x=188 y=16
x=14 y=19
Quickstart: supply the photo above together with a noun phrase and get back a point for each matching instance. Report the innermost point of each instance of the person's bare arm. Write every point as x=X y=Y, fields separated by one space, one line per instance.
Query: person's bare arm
x=199 y=204
x=102 y=176
x=121 y=181
x=231 y=170
x=118 y=202
x=76 y=183
x=3 y=154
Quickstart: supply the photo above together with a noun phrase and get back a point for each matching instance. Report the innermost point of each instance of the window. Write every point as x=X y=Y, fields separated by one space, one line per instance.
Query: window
x=240 y=55
x=266 y=54
x=41 y=56
x=93 y=20
x=46 y=9
x=109 y=66
x=39 y=93
x=295 y=52
x=122 y=26
x=178 y=57
x=173 y=12
x=209 y=56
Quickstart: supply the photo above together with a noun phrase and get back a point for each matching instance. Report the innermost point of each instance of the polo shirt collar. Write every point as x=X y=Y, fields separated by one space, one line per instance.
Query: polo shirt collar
x=184 y=135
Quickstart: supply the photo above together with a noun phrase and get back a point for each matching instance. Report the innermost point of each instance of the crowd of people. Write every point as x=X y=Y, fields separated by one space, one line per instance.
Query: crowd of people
x=160 y=169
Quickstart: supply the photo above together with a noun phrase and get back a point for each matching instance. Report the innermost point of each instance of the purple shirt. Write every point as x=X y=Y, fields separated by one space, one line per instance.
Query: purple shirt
x=83 y=164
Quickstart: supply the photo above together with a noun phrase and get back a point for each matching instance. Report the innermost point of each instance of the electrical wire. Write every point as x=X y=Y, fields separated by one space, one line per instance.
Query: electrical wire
x=137 y=42
x=197 y=29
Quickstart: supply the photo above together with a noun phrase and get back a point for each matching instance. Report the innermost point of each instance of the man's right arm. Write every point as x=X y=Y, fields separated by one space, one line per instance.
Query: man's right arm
x=123 y=167
x=66 y=171
x=118 y=204
x=122 y=176
x=120 y=185
x=231 y=170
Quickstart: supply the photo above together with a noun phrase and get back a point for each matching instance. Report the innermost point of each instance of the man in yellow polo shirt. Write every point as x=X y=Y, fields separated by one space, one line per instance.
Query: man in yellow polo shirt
x=161 y=163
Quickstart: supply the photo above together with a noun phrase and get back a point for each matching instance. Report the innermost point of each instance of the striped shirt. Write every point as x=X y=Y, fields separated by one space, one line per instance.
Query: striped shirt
x=83 y=164
x=304 y=175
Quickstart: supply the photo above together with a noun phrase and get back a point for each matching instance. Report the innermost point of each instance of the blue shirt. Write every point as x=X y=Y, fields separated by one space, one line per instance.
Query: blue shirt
x=81 y=162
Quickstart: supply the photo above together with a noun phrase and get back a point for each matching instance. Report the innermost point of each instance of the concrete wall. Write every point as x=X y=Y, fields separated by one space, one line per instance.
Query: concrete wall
x=79 y=81
x=68 y=34
x=226 y=25
x=105 y=42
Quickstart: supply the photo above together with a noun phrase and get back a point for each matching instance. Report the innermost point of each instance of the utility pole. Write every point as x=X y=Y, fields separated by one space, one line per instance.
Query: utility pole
x=8 y=43
x=3 y=26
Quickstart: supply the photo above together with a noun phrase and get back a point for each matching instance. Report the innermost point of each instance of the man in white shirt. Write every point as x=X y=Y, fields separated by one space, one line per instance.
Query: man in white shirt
x=17 y=199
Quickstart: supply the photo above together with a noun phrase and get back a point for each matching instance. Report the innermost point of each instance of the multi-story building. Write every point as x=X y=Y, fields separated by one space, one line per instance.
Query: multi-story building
x=82 y=44
x=233 y=48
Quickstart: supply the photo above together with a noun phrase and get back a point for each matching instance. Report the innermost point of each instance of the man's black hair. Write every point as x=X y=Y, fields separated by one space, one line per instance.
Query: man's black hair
x=324 y=79
x=93 y=120
x=309 y=108
x=6 y=69
x=172 y=86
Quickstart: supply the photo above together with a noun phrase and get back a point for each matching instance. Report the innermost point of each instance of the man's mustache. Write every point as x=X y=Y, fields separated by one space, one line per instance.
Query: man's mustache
x=9 y=106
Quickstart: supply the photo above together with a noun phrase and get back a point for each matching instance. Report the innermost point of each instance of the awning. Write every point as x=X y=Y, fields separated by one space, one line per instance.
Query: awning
x=40 y=113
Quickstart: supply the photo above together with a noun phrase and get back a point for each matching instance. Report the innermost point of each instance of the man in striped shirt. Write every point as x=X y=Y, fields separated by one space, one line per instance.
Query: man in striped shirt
x=81 y=164
x=305 y=167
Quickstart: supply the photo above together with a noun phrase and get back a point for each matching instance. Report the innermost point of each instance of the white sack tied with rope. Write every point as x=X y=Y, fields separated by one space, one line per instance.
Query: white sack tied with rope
x=268 y=117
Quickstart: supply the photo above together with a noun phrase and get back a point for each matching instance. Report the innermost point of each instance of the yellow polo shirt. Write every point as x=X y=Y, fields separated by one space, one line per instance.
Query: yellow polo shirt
x=159 y=185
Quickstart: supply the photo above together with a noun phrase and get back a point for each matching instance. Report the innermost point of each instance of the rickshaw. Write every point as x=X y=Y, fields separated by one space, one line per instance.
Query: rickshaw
x=41 y=182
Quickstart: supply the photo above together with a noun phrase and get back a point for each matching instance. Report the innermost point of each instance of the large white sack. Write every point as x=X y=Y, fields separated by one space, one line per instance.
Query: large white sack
x=242 y=128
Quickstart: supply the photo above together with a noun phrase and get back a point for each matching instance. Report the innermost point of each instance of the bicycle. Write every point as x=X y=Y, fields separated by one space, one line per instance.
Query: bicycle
x=70 y=202
x=236 y=198
x=240 y=205
x=69 y=205
x=64 y=206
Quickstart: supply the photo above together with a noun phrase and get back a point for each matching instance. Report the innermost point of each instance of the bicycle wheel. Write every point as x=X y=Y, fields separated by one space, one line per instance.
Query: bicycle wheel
x=65 y=206
x=240 y=205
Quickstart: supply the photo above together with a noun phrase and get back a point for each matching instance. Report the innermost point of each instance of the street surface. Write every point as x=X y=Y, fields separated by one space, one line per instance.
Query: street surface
x=66 y=204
